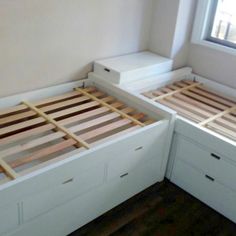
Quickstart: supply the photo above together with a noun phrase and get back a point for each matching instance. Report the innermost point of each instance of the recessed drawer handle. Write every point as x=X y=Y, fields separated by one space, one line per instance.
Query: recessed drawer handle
x=210 y=178
x=124 y=175
x=68 y=181
x=107 y=70
x=215 y=156
x=138 y=148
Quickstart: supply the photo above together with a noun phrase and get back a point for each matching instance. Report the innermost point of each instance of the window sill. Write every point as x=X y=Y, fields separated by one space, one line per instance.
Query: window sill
x=215 y=46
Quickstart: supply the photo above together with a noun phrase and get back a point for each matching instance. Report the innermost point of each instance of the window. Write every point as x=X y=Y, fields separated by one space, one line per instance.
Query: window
x=215 y=24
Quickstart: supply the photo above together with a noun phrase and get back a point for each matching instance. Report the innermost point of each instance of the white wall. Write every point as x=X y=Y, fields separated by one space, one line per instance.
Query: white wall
x=170 y=36
x=213 y=64
x=46 y=42
x=170 y=30
x=163 y=26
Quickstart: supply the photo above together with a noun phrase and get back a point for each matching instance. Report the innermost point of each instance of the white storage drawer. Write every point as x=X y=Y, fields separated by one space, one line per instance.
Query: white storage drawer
x=210 y=192
x=210 y=162
x=71 y=187
x=9 y=218
x=136 y=151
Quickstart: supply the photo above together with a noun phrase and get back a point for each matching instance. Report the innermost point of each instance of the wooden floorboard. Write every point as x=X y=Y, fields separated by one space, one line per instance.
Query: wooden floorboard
x=162 y=210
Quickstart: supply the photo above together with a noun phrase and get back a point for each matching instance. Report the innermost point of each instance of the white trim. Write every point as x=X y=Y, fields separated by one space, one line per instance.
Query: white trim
x=199 y=28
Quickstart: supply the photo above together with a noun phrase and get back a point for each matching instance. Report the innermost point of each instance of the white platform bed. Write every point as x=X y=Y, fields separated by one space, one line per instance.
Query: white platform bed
x=203 y=154
x=67 y=156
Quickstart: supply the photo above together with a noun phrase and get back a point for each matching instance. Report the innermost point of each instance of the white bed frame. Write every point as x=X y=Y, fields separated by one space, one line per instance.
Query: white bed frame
x=58 y=198
x=201 y=161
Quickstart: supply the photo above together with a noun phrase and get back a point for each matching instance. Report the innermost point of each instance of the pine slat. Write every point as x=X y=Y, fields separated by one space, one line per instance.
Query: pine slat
x=58 y=126
x=26 y=134
x=21 y=125
x=111 y=107
x=31 y=144
x=105 y=129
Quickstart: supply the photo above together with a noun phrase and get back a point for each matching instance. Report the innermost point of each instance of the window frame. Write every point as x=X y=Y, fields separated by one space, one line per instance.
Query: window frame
x=203 y=24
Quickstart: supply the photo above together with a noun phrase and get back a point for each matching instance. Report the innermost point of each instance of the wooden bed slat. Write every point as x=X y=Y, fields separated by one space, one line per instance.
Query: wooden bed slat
x=42 y=153
x=26 y=134
x=230 y=117
x=226 y=124
x=176 y=91
x=83 y=116
x=16 y=117
x=197 y=103
x=31 y=144
x=183 y=112
x=72 y=110
x=213 y=97
x=94 y=122
x=12 y=109
x=105 y=129
x=66 y=103
x=22 y=125
x=110 y=107
x=56 y=98
x=227 y=111
x=58 y=126
x=189 y=107
x=205 y=100
x=118 y=134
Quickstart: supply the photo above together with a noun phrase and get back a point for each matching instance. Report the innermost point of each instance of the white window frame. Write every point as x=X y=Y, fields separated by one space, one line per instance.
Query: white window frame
x=200 y=26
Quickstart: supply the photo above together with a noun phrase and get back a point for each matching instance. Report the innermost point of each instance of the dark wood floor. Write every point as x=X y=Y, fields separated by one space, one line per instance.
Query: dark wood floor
x=162 y=210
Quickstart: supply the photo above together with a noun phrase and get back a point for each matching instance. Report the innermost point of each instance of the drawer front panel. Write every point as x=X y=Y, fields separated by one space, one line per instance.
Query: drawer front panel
x=68 y=189
x=206 y=189
x=209 y=162
x=9 y=218
x=137 y=152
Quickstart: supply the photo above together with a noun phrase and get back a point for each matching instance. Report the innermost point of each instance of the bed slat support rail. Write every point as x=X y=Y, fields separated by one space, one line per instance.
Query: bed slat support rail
x=8 y=170
x=59 y=127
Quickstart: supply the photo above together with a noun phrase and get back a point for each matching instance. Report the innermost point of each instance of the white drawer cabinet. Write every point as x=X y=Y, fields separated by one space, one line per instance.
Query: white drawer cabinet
x=9 y=217
x=207 y=175
x=211 y=192
x=71 y=187
x=214 y=164
x=137 y=151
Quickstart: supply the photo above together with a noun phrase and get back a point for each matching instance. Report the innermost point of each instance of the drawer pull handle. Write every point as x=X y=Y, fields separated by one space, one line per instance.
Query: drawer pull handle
x=215 y=156
x=68 y=181
x=124 y=175
x=138 y=148
x=210 y=178
x=107 y=70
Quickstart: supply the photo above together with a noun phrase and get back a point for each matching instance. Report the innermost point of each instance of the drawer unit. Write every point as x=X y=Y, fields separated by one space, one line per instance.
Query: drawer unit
x=214 y=164
x=138 y=151
x=125 y=69
x=62 y=192
x=211 y=192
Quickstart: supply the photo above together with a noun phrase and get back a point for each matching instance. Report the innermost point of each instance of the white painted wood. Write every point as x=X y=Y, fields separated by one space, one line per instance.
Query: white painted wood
x=9 y=218
x=132 y=67
x=138 y=151
x=69 y=216
x=209 y=161
x=214 y=194
x=71 y=187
